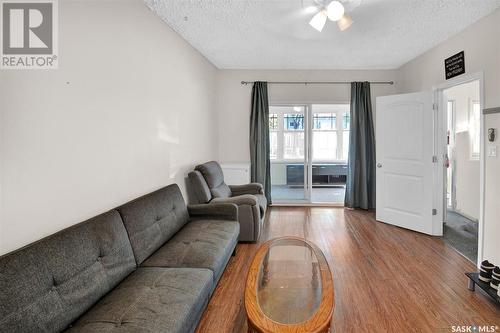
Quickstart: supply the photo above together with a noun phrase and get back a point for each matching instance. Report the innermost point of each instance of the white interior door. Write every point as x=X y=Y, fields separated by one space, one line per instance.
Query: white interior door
x=405 y=163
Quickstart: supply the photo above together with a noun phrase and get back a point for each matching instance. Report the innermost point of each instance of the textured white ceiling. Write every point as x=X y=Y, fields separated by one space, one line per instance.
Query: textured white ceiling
x=275 y=34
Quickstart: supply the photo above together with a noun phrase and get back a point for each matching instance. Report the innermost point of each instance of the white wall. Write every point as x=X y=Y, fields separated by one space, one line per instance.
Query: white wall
x=234 y=99
x=466 y=169
x=467 y=178
x=481 y=43
x=463 y=95
x=130 y=109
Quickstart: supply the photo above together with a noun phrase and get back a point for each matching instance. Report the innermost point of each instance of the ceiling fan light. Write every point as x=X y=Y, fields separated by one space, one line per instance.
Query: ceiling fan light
x=335 y=10
x=345 y=22
x=318 y=21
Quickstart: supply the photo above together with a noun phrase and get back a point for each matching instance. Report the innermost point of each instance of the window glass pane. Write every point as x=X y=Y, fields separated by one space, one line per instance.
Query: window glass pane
x=273 y=141
x=273 y=122
x=293 y=121
x=324 y=146
x=346 y=120
x=324 y=121
x=293 y=145
x=345 y=145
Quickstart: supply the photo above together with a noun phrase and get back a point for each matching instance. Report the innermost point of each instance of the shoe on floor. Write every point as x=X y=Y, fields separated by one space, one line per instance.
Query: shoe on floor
x=486 y=271
x=496 y=272
x=495 y=278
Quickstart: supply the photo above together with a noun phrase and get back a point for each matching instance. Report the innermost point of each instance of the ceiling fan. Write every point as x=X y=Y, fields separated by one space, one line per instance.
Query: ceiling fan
x=336 y=10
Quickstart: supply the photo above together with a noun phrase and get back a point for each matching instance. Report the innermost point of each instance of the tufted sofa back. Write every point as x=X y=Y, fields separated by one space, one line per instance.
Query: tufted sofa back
x=46 y=285
x=153 y=219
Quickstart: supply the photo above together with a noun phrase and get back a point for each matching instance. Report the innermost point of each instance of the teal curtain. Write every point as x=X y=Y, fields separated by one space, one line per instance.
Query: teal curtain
x=360 y=185
x=260 y=169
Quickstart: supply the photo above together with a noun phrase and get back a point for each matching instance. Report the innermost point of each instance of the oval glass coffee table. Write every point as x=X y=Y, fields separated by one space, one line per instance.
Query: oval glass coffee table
x=289 y=288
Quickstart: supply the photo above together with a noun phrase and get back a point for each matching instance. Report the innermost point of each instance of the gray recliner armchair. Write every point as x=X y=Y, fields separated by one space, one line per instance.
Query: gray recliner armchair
x=208 y=185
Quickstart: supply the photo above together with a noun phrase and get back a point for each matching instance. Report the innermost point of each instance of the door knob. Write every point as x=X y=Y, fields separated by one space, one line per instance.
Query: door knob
x=379 y=165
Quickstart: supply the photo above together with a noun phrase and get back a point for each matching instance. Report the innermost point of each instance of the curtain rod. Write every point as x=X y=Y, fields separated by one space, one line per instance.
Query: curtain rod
x=316 y=82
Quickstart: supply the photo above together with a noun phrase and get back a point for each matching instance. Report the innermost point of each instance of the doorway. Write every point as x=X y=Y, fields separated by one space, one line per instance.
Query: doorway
x=461 y=213
x=420 y=142
x=309 y=144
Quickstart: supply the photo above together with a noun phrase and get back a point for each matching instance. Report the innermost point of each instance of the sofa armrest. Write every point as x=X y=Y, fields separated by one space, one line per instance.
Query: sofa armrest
x=252 y=188
x=245 y=199
x=222 y=211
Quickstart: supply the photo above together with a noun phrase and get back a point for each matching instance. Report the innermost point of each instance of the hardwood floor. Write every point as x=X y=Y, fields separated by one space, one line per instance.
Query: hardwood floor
x=386 y=279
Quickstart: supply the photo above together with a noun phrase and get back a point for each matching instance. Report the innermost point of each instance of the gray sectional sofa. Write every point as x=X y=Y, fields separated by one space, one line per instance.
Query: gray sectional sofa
x=150 y=265
x=207 y=181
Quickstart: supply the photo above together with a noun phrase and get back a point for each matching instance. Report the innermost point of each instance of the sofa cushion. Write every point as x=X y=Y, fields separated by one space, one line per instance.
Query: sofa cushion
x=200 y=244
x=213 y=211
x=152 y=219
x=261 y=199
x=244 y=199
x=200 y=187
x=212 y=172
x=47 y=285
x=169 y=300
x=214 y=177
x=221 y=191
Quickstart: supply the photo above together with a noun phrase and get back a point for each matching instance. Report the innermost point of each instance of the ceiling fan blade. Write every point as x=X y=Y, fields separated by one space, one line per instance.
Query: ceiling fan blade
x=350 y=5
x=318 y=21
x=345 y=22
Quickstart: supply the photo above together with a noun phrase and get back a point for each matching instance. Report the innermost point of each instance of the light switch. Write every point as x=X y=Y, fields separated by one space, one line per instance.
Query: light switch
x=492 y=151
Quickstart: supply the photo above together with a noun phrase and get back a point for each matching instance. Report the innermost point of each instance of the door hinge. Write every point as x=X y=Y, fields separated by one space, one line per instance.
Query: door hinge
x=434 y=106
x=434 y=211
x=434 y=159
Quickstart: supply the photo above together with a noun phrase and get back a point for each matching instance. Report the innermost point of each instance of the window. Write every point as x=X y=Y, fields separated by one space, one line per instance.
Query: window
x=330 y=137
x=346 y=120
x=325 y=136
x=474 y=128
x=293 y=121
x=273 y=136
x=286 y=132
x=273 y=122
x=293 y=135
x=325 y=121
x=330 y=132
x=346 y=126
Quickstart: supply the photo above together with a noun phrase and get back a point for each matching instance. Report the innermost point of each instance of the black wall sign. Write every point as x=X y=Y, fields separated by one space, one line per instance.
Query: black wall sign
x=454 y=65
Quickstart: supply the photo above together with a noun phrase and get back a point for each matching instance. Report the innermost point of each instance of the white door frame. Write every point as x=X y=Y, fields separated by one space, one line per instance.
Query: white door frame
x=441 y=129
x=452 y=161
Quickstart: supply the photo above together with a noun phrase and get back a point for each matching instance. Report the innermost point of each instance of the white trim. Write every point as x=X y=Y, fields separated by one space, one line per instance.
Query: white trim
x=438 y=95
x=308 y=204
x=452 y=157
x=306 y=102
x=308 y=136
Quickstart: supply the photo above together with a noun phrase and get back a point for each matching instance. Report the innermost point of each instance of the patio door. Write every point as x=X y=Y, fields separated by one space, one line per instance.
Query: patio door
x=329 y=146
x=289 y=154
x=309 y=145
